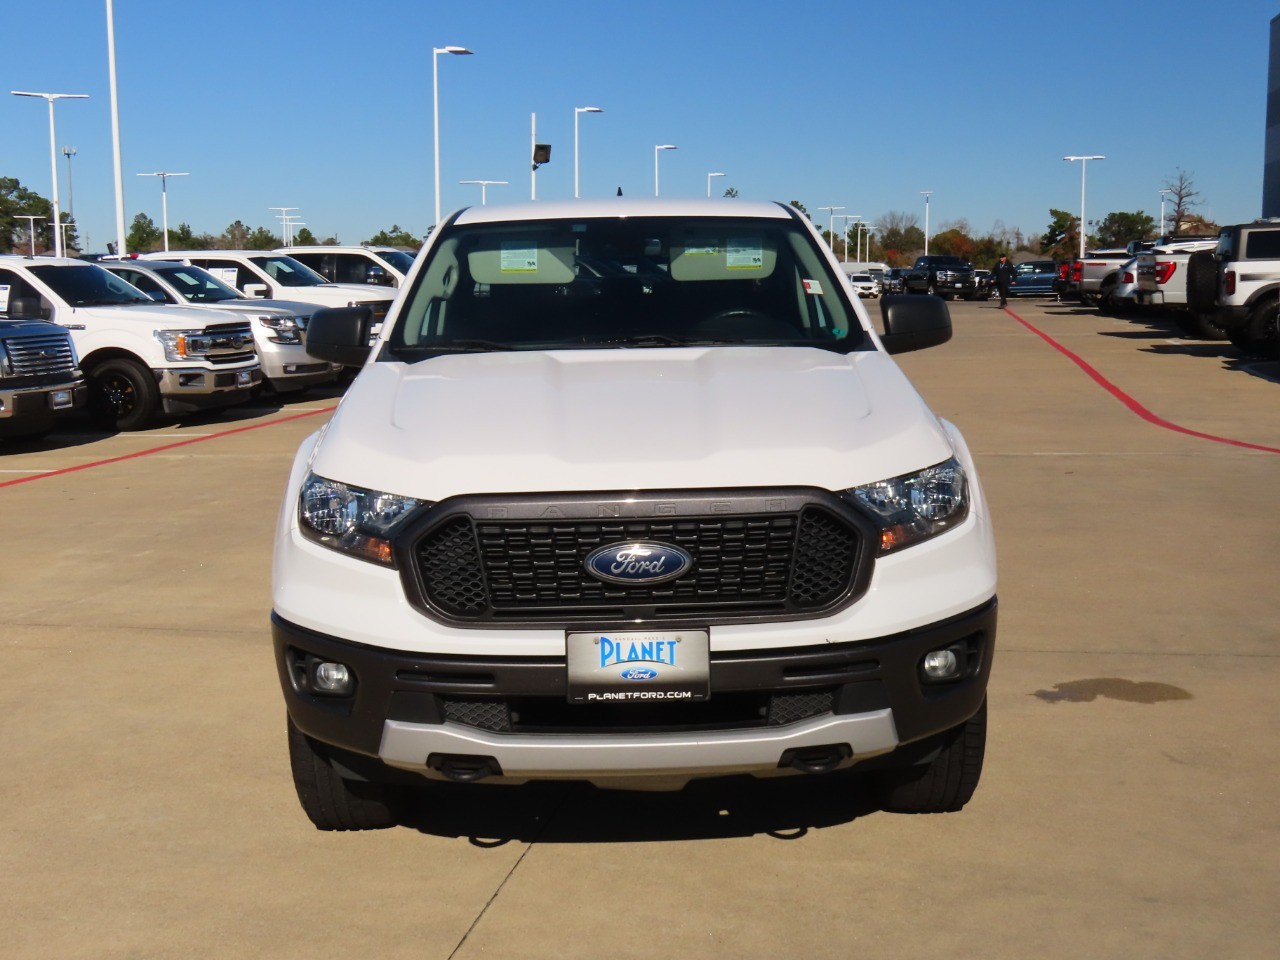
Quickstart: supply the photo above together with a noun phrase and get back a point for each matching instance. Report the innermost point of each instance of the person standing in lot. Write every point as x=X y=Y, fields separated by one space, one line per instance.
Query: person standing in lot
x=1002 y=275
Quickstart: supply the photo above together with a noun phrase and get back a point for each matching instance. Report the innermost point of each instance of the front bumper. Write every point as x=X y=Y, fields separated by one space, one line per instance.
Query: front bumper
x=44 y=401
x=184 y=390
x=410 y=709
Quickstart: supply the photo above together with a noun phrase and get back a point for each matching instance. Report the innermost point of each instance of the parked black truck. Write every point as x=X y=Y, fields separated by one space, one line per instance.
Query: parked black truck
x=944 y=276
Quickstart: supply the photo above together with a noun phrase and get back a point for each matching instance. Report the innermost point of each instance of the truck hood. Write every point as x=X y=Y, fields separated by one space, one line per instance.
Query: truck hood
x=340 y=294
x=168 y=317
x=629 y=419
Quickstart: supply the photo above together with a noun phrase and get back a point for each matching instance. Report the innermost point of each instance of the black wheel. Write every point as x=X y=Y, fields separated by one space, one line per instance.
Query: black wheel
x=1262 y=332
x=332 y=802
x=1200 y=326
x=1202 y=282
x=944 y=784
x=123 y=394
x=1106 y=301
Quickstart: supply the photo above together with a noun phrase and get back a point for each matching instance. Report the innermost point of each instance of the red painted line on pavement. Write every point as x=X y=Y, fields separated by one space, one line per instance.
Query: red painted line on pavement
x=1129 y=401
x=167 y=446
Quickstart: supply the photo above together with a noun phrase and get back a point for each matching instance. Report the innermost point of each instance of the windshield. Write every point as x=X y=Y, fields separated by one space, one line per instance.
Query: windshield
x=89 y=286
x=397 y=258
x=625 y=282
x=289 y=272
x=197 y=285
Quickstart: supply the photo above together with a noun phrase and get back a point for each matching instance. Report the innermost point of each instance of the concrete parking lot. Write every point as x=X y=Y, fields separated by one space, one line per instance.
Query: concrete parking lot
x=1128 y=806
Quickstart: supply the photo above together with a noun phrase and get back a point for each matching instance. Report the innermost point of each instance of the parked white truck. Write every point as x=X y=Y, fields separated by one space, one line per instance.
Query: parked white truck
x=1156 y=279
x=632 y=491
x=139 y=358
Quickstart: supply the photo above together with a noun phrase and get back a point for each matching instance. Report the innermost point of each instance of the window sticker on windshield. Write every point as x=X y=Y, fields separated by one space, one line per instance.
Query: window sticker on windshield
x=813 y=287
x=519 y=257
x=4 y=298
x=226 y=274
x=745 y=253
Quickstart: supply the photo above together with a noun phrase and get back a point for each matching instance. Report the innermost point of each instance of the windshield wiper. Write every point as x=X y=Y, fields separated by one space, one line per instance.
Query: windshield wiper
x=662 y=340
x=455 y=346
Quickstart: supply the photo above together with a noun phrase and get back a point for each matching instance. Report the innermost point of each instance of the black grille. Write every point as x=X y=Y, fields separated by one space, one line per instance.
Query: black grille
x=795 y=563
x=39 y=355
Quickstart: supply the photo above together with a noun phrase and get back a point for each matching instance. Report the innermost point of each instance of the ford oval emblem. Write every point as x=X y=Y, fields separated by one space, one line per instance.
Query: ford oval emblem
x=639 y=673
x=639 y=564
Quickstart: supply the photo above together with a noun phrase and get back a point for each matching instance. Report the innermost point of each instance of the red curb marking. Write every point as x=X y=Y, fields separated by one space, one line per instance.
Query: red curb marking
x=167 y=446
x=1128 y=401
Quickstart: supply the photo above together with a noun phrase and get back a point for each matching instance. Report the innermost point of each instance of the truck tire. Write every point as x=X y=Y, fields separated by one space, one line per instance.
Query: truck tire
x=1202 y=282
x=944 y=784
x=329 y=800
x=1107 y=305
x=1200 y=326
x=1262 y=332
x=123 y=394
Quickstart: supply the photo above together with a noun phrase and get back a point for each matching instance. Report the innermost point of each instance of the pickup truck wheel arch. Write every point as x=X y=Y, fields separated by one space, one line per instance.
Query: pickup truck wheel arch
x=331 y=801
x=944 y=783
x=123 y=394
x=1262 y=332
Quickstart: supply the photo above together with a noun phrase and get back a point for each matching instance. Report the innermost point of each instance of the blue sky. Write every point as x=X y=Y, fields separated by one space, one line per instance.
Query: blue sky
x=326 y=106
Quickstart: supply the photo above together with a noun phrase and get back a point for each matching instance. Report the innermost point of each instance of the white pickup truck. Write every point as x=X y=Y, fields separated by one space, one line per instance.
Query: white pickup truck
x=1156 y=279
x=139 y=358
x=633 y=492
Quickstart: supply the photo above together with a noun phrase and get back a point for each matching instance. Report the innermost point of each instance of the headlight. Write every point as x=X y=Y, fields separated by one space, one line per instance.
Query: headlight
x=351 y=519
x=283 y=329
x=182 y=344
x=916 y=506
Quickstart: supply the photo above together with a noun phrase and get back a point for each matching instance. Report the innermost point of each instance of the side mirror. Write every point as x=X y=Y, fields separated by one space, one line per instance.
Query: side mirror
x=377 y=275
x=914 y=323
x=258 y=290
x=340 y=335
x=157 y=296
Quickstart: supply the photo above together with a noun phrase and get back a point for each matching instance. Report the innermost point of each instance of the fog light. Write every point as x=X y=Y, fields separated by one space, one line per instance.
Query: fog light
x=334 y=679
x=941 y=665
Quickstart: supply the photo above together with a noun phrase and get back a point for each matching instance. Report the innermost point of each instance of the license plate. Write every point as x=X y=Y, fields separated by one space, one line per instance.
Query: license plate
x=244 y=378
x=639 y=666
x=958 y=285
x=61 y=399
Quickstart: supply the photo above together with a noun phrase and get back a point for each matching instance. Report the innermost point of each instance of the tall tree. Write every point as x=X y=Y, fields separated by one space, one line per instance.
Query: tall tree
x=143 y=235
x=898 y=238
x=731 y=192
x=16 y=200
x=1061 y=240
x=1183 y=195
x=262 y=239
x=801 y=207
x=235 y=237
x=305 y=238
x=1117 y=229
x=395 y=237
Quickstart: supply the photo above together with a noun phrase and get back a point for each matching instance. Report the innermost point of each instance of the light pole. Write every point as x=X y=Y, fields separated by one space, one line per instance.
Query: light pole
x=1163 y=191
x=661 y=146
x=848 y=218
x=483 y=185
x=115 y=129
x=284 y=217
x=435 y=109
x=576 y=112
x=53 y=157
x=164 y=176
x=70 y=152
x=927 y=195
x=831 y=226
x=709 y=176
x=1084 y=165
x=31 y=229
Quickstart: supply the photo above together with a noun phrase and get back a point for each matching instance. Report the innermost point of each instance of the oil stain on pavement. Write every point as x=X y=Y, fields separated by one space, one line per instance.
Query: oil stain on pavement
x=1086 y=691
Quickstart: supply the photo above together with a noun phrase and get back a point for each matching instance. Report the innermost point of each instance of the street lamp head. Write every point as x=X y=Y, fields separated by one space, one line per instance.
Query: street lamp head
x=461 y=51
x=666 y=146
x=50 y=96
x=1097 y=157
x=588 y=110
